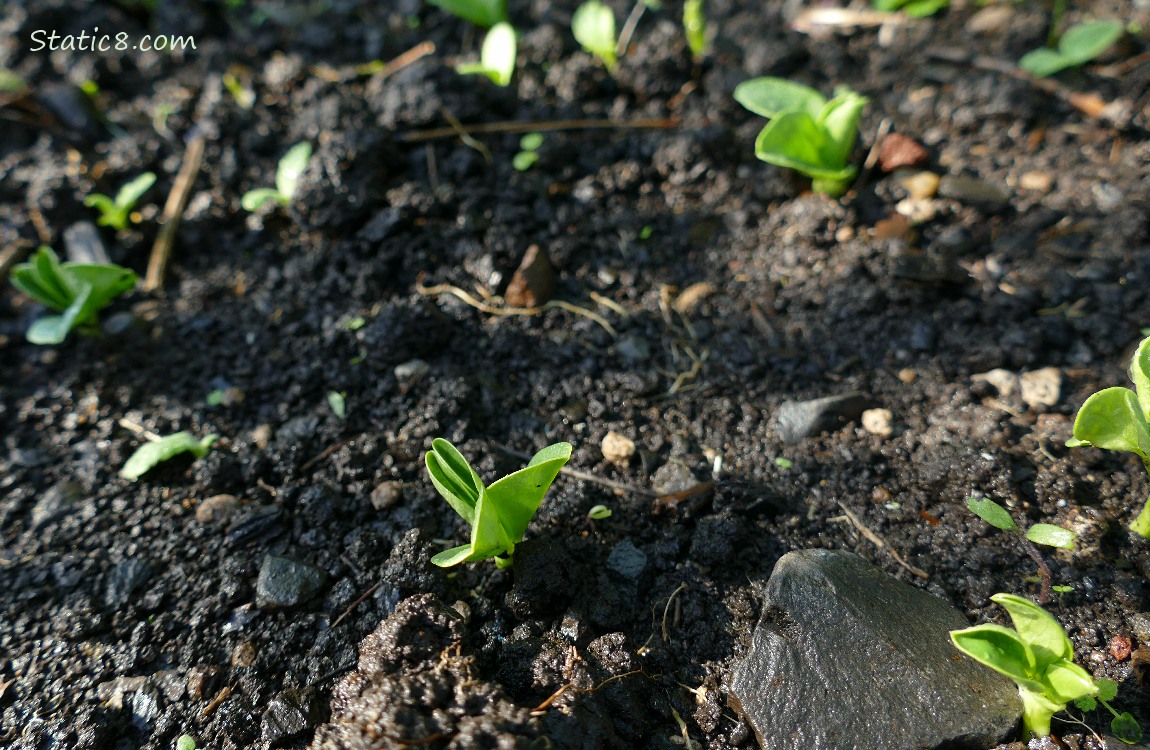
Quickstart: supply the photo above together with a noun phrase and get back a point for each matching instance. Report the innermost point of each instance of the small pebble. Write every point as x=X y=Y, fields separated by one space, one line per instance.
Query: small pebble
x=386 y=495
x=411 y=371
x=921 y=185
x=898 y=150
x=534 y=281
x=916 y=210
x=972 y=190
x=1003 y=381
x=618 y=449
x=1120 y=647
x=217 y=509
x=989 y=19
x=244 y=654
x=1041 y=388
x=907 y=375
x=261 y=436
x=878 y=422
x=1041 y=182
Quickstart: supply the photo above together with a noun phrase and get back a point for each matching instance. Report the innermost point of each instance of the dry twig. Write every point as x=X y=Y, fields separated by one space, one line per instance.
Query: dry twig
x=433 y=291
x=877 y=541
x=173 y=211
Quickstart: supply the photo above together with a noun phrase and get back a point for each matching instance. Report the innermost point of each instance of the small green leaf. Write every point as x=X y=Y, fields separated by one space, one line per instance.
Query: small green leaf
x=156 y=452
x=1126 y=728
x=485 y=13
x=924 y=8
x=454 y=478
x=1086 y=704
x=337 y=404
x=453 y=556
x=1140 y=375
x=531 y=141
x=695 y=26
x=999 y=648
x=840 y=121
x=1085 y=41
x=517 y=496
x=1051 y=536
x=1113 y=419
x=1044 y=62
x=1038 y=629
x=784 y=463
x=599 y=513
x=185 y=742
x=593 y=25
x=771 y=97
x=290 y=168
x=1062 y=589
x=524 y=160
x=1107 y=689
x=499 y=51
x=253 y=199
x=991 y=512
x=134 y=190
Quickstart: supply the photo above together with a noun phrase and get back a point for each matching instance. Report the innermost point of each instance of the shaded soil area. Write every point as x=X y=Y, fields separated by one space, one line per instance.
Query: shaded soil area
x=134 y=612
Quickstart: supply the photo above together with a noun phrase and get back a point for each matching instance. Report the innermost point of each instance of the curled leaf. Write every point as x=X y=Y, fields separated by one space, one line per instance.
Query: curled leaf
x=156 y=452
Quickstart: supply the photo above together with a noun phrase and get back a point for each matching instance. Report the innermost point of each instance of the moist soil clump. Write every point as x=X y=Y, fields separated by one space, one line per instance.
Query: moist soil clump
x=702 y=293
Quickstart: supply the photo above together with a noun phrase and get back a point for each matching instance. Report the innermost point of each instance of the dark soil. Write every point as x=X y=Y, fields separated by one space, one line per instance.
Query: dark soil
x=104 y=579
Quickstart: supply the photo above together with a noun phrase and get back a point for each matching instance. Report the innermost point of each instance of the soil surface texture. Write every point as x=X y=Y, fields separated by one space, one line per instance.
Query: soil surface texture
x=682 y=295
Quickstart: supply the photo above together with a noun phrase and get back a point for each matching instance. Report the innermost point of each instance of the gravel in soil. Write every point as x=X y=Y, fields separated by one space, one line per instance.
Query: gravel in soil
x=132 y=613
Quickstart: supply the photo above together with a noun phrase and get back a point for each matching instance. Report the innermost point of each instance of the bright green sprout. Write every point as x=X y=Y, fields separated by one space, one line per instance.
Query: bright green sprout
x=1118 y=419
x=288 y=172
x=1040 y=533
x=783 y=463
x=497 y=58
x=244 y=97
x=337 y=404
x=499 y=514
x=1035 y=654
x=1122 y=724
x=1078 y=46
x=646 y=232
x=913 y=8
x=593 y=25
x=185 y=742
x=528 y=152
x=78 y=291
x=155 y=452
x=1062 y=589
x=485 y=13
x=806 y=133
x=354 y=324
x=599 y=513
x=695 y=26
x=117 y=212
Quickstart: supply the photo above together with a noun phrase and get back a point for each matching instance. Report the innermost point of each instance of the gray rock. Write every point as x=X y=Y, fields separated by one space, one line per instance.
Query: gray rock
x=628 y=561
x=972 y=190
x=146 y=706
x=285 y=583
x=847 y=656
x=672 y=478
x=124 y=579
x=801 y=419
x=386 y=494
x=82 y=244
x=288 y=715
x=633 y=349
x=60 y=500
x=297 y=429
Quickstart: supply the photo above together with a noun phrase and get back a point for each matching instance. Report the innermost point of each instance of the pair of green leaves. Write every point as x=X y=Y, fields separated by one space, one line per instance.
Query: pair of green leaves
x=485 y=13
x=78 y=291
x=116 y=212
x=288 y=172
x=1035 y=654
x=497 y=57
x=593 y=25
x=1078 y=46
x=1039 y=658
x=498 y=514
x=1040 y=533
x=1118 y=419
x=806 y=133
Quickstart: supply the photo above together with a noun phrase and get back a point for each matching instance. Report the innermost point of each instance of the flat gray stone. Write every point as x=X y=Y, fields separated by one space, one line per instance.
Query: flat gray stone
x=285 y=583
x=801 y=419
x=846 y=656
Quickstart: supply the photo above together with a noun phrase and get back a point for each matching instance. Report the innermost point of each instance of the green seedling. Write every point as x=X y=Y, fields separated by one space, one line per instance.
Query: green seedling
x=1040 y=533
x=1122 y=724
x=913 y=8
x=497 y=58
x=117 y=212
x=1038 y=657
x=528 y=152
x=155 y=452
x=806 y=133
x=78 y=291
x=695 y=27
x=185 y=742
x=600 y=513
x=1118 y=419
x=593 y=25
x=1078 y=46
x=485 y=13
x=288 y=172
x=499 y=514
x=338 y=405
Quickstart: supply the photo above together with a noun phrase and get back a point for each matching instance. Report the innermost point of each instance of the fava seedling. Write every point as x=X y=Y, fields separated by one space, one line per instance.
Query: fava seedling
x=117 y=212
x=499 y=514
x=695 y=27
x=78 y=291
x=1118 y=419
x=806 y=132
x=288 y=172
x=913 y=8
x=593 y=25
x=1040 y=533
x=1039 y=658
x=485 y=13
x=497 y=58
x=1078 y=46
x=155 y=452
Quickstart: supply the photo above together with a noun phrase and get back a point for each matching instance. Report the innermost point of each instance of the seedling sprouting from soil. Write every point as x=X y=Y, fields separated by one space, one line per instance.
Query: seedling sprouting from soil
x=529 y=152
x=599 y=513
x=593 y=25
x=288 y=172
x=695 y=26
x=497 y=58
x=155 y=452
x=485 y=13
x=1039 y=658
x=1040 y=533
x=1118 y=419
x=78 y=291
x=117 y=212
x=1078 y=46
x=913 y=8
x=806 y=133
x=498 y=514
